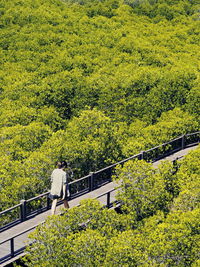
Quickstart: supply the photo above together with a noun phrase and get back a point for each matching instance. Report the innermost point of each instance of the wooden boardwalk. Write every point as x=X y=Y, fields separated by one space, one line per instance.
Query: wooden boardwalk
x=22 y=240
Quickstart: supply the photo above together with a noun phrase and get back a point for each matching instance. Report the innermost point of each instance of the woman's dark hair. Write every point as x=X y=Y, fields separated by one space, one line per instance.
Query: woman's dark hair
x=58 y=164
x=61 y=164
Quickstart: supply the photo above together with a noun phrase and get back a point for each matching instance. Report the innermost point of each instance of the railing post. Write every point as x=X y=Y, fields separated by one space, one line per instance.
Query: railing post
x=23 y=210
x=91 y=181
x=183 y=142
x=110 y=175
x=48 y=202
x=108 y=200
x=142 y=155
x=12 y=251
x=69 y=191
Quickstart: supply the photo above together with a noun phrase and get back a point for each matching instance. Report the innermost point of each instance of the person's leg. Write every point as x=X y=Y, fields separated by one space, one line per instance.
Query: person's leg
x=53 y=206
x=66 y=204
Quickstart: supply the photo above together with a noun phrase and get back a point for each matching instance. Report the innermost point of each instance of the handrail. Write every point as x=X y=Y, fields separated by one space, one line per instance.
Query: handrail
x=110 y=191
x=117 y=163
x=36 y=197
x=164 y=144
x=93 y=175
x=32 y=227
x=9 y=209
x=80 y=179
x=193 y=133
x=11 y=239
x=21 y=233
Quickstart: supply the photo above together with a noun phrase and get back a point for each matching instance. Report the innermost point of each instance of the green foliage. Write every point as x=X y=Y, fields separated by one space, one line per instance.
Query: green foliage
x=193 y=100
x=87 y=143
x=78 y=246
x=189 y=169
x=89 y=249
x=89 y=235
x=163 y=9
x=18 y=141
x=89 y=54
x=177 y=240
x=168 y=126
x=144 y=190
x=91 y=82
x=124 y=250
x=188 y=180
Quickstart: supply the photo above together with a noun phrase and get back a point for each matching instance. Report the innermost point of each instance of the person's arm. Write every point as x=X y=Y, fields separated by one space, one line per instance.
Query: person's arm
x=64 y=191
x=51 y=177
x=64 y=185
x=51 y=180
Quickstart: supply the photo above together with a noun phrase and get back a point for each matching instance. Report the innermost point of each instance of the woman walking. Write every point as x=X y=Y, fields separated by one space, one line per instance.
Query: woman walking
x=59 y=186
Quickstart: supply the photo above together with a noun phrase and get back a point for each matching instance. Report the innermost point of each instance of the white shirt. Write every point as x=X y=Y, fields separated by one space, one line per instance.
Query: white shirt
x=58 y=179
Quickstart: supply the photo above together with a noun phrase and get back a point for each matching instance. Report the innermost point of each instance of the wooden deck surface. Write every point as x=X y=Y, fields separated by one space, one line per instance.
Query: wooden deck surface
x=22 y=240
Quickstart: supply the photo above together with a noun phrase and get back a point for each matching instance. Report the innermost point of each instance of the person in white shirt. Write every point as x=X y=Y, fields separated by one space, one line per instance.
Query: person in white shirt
x=59 y=186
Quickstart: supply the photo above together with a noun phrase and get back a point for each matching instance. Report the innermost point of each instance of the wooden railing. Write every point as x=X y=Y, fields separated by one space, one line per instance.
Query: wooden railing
x=28 y=208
